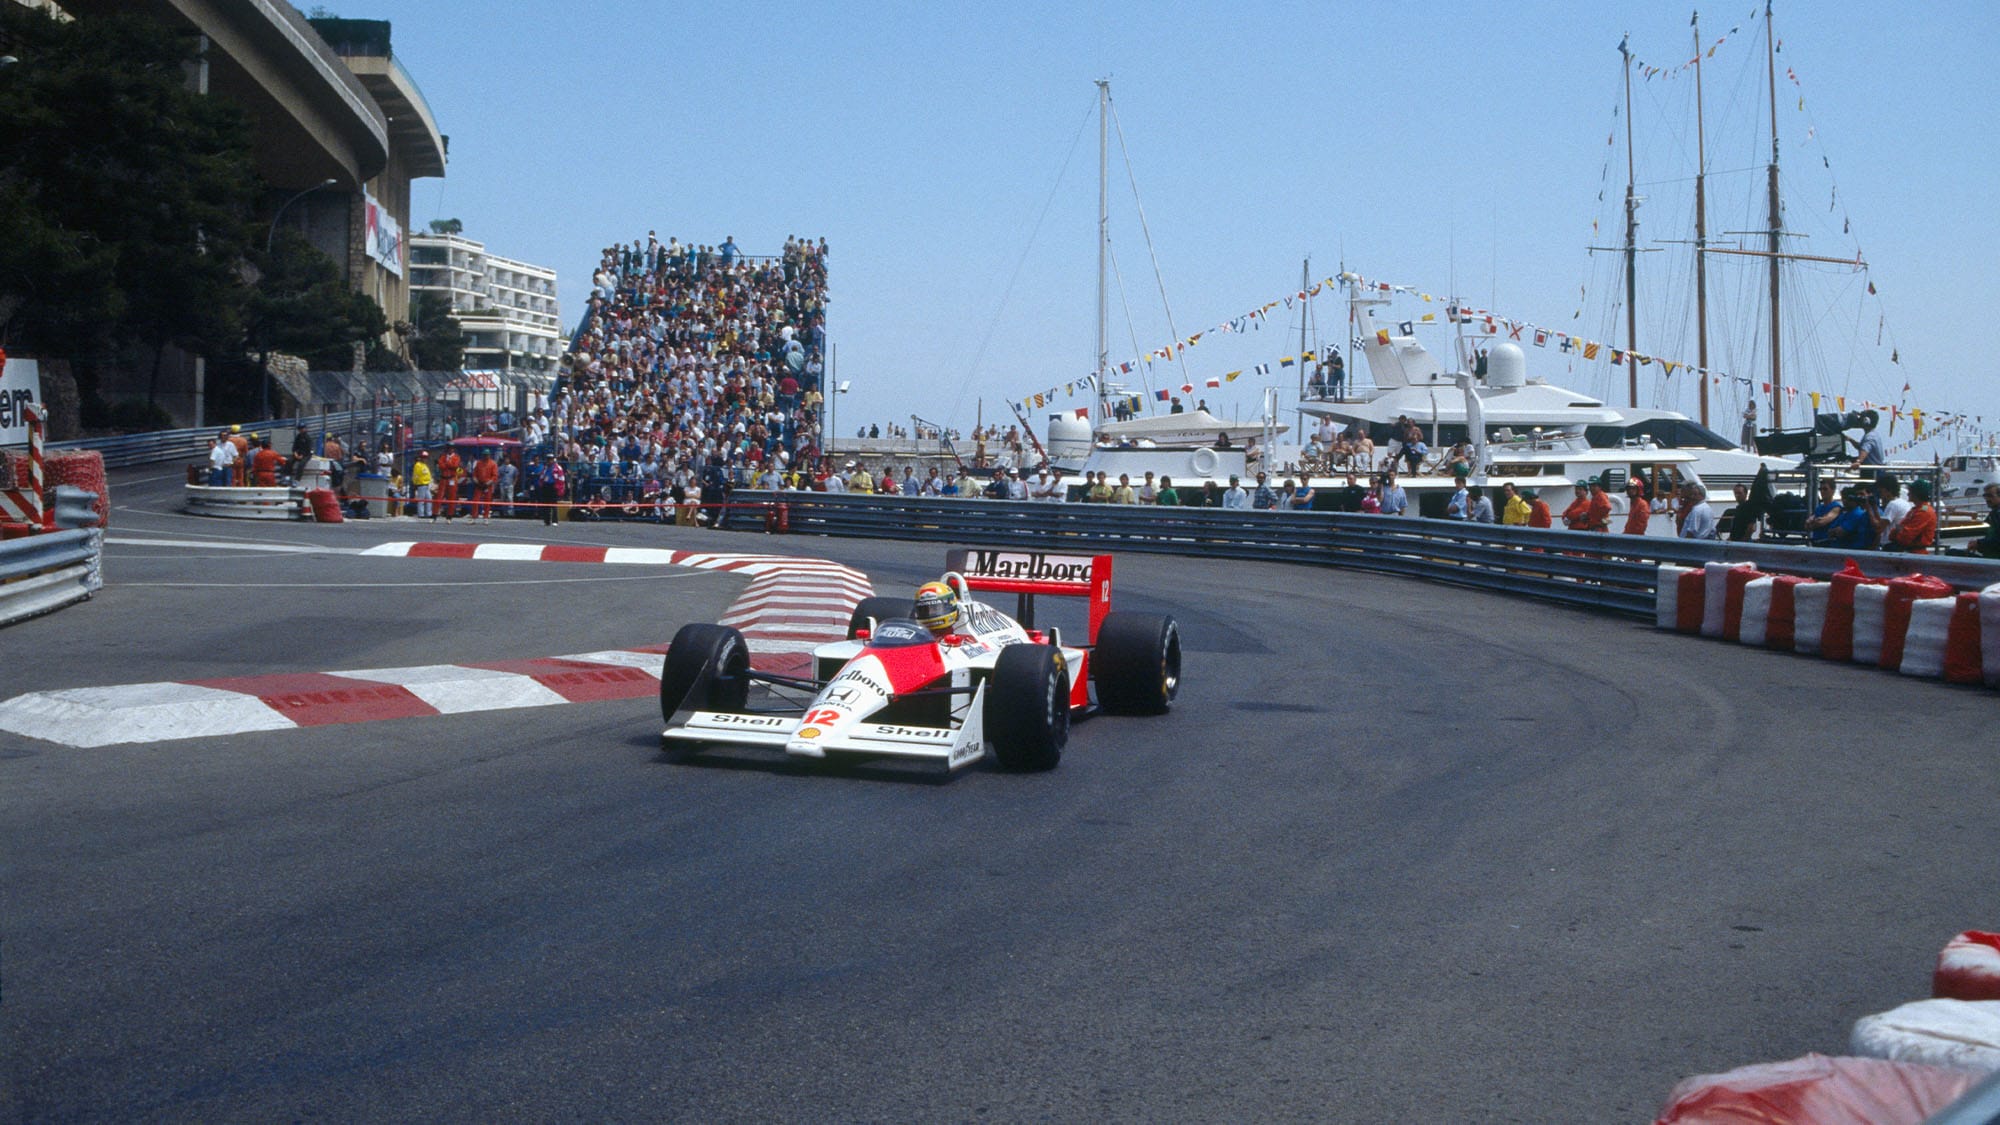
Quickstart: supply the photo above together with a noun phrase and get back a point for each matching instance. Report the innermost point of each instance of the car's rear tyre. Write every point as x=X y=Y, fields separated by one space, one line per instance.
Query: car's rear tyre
x=1027 y=707
x=711 y=659
x=1137 y=663
x=880 y=609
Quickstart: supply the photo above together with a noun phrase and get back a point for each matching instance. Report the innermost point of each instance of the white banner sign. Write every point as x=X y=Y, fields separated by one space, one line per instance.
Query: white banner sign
x=382 y=239
x=20 y=385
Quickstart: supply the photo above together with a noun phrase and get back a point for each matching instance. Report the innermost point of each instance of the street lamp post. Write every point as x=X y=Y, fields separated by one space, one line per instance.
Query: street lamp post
x=270 y=237
x=272 y=234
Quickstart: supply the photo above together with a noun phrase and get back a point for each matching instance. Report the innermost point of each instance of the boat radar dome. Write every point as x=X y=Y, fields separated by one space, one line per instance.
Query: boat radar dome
x=1069 y=437
x=1506 y=366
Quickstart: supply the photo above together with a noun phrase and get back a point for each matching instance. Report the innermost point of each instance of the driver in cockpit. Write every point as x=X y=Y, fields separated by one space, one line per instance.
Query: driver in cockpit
x=936 y=608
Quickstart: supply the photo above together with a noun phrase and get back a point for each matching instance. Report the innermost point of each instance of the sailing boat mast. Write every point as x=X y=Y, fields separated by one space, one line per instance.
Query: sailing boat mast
x=1103 y=238
x=1305 y=314
x=1700 y=227
x=1631 y=239
x=1777 y=224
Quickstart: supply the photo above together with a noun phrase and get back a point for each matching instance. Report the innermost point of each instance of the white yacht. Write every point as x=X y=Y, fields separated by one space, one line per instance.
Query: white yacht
x=1523 y=431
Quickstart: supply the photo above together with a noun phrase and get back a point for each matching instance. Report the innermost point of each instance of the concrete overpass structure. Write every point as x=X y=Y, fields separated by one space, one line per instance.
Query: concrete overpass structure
x=344 y=111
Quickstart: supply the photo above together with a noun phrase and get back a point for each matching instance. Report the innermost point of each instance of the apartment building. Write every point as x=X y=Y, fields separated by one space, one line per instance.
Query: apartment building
x=506 y=308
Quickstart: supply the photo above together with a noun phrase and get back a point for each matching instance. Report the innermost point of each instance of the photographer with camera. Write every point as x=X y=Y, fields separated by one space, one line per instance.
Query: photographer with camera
x=1868 y=451
x=1854 y=528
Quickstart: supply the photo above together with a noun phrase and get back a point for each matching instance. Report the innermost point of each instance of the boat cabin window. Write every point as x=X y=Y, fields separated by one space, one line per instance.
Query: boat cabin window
x=1664 y=480
x=1670 y=433
x=1527 y=469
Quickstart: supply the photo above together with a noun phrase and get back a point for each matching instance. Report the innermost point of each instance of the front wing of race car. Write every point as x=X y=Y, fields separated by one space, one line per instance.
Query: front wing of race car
x=952 y=747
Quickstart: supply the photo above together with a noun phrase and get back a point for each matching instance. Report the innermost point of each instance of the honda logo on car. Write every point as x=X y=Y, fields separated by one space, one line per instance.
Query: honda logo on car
x=1028 y=566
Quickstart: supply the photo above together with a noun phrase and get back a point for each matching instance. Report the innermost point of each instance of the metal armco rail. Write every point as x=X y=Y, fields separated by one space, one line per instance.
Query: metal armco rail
x=1618 y=573
x=43 y=573
x=192 y=445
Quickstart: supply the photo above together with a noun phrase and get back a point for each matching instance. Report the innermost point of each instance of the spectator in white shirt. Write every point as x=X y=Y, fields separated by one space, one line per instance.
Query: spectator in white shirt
x=1237 y=496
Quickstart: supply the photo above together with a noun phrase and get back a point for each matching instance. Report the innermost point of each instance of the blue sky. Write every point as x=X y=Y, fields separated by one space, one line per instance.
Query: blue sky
x=948 y=155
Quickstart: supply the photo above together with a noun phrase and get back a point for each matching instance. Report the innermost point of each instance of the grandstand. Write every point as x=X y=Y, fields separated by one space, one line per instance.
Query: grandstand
x=694 y=365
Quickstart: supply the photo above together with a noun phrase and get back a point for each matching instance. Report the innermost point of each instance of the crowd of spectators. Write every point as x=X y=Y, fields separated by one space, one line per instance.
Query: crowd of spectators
x=695 y=369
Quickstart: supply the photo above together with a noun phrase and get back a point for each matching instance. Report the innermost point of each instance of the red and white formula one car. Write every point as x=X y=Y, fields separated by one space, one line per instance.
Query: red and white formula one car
x=943 y=678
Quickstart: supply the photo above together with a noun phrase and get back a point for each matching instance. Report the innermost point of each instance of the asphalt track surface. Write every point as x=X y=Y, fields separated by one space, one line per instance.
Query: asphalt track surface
x=1402 y=852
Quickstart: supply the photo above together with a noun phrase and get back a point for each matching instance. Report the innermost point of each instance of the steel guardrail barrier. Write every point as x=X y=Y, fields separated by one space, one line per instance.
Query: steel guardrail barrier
x=1594 y=570
x=126 y=450
x=43 y=573
x=254 y=503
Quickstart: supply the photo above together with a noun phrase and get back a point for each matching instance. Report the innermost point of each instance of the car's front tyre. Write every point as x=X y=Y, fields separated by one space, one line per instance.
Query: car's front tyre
x=1027 y=707
x=713 y=660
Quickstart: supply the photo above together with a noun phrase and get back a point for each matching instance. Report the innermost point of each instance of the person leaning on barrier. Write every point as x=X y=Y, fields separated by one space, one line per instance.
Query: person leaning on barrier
x=1169 y=496
x=1600 y=507
x=1395 y=501
x=1350 y=496
x=1538 y=509
x=240 y=468
x=264 y=465
x=1819 y=525
x=1988 y=545
x=1480 y=506
x=1576 y=517
x=1890 y=507
x=1459 y=506
x=1916 y=532
x=1514 y=510
x=1122 y=493
x=1237 y=498
x=1698 y=521
x=1639 y=513
x=336 y=458
x=1854 y=528
x=1299 y=497
x=1264 y=498
x=221 y=461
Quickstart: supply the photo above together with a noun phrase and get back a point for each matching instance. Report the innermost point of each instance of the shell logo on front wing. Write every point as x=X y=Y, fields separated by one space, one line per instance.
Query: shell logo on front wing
x=809 y=732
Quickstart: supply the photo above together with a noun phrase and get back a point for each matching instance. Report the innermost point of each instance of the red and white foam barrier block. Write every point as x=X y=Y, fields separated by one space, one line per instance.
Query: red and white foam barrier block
x=1817 y=1090
x=1736 y=580
x=1989 y=634
x=1871 y=610
x=1968 y=968
x=1904 y=595
x=1809 y=610
x=1963 y=646
x=1941 y=640
x=1754 y=610
x=1714 y=597
x=1960 y=1034
x=1781 y=618
x=1667 y=596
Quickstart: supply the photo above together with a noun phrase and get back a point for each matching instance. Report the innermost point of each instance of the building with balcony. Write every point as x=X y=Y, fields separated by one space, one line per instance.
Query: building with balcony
x=506 y=308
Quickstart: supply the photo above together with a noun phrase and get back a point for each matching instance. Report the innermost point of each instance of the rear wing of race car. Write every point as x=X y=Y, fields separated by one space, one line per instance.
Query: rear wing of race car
x=1029 y=573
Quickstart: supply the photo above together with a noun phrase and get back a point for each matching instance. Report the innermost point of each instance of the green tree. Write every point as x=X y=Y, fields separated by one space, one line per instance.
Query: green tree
x=124 y=197
x=302 y=305
x=447 y=226
x=437 y=343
